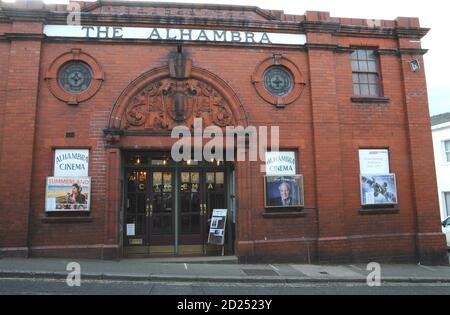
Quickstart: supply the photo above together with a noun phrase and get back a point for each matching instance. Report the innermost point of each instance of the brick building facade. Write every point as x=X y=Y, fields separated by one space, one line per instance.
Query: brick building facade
x=351 y=84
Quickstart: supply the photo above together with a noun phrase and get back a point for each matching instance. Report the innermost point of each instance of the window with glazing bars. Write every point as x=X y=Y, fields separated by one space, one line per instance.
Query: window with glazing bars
x=447 y=151
x=366 y=79
x=447 y=203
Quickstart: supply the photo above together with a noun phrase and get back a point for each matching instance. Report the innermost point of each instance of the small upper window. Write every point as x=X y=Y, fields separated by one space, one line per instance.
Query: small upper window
x=366 y=79
x=447 y=151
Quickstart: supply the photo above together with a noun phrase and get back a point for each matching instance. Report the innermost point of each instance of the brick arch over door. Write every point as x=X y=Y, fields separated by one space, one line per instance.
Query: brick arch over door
x=156 y=101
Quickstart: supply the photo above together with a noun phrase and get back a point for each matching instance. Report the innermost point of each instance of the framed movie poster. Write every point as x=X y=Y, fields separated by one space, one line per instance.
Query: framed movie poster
x=68 y=194
x=283 y=191
x=378 y=190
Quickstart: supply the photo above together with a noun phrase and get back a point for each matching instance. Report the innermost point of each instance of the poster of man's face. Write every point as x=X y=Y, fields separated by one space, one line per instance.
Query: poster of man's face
x=284 y=191
x=378 y=189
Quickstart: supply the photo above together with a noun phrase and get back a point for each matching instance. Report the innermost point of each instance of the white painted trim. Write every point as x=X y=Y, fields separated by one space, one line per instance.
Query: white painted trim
x=440 y=126
x=173 y=34
x=444 y=153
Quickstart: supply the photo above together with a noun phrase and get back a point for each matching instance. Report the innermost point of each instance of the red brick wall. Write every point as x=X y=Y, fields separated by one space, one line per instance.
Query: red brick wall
x=379 y=126
x=324 y=125
x=4 y=62
x=19 y=117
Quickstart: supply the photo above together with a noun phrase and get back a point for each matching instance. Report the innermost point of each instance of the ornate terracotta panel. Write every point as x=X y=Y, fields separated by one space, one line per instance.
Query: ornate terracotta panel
x=168 y=102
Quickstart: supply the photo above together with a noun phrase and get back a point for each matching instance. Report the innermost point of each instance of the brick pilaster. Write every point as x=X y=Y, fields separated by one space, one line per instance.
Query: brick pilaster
x=430 y=242
x=18 y=135
x=332 y=241
x=112 y=212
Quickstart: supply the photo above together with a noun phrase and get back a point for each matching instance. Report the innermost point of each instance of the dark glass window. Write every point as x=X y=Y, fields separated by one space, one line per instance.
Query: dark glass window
x=278 y=81
x=447 y=151
x=447 y=203
x=75 y=77
x=366 y=78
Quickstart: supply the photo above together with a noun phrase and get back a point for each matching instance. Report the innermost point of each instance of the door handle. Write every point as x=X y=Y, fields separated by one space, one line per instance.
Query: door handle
x=148 y=208
x=203 y=209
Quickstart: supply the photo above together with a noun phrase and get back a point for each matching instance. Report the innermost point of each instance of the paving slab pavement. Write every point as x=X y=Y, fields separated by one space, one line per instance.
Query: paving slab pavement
x=145 y=270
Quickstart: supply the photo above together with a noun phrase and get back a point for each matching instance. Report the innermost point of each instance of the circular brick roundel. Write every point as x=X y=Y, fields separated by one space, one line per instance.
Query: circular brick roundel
x=74 y=77
x=278 y=81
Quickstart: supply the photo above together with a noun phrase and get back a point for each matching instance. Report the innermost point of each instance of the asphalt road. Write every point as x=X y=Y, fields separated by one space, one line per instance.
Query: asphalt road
x=90 y=287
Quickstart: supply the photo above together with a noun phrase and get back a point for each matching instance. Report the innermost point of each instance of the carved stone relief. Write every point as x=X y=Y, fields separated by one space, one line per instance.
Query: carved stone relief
x=167 y=103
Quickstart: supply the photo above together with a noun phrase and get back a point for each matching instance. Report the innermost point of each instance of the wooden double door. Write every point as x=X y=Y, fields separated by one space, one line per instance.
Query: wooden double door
x=170 y=207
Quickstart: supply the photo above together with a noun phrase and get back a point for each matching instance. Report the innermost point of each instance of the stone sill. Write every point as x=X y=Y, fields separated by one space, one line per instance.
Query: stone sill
x=67 y=219
x=297 y=213
x=369 y=100
x=378 y=211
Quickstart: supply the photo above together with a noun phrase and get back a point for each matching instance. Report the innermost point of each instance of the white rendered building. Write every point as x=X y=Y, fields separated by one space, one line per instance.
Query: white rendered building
x=440 y=126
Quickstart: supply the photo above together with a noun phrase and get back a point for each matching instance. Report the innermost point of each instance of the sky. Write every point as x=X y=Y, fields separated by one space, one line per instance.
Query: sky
x=432 y=14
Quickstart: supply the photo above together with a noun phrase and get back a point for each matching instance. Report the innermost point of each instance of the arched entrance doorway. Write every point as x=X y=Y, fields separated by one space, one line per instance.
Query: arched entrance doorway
x=167 y=205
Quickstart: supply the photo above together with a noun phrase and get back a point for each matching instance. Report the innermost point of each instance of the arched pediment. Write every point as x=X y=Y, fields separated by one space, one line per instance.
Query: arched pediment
x=165 y=97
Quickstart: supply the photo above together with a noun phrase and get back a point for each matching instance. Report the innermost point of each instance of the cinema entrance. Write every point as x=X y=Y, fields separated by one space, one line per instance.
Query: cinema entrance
x=168 y=205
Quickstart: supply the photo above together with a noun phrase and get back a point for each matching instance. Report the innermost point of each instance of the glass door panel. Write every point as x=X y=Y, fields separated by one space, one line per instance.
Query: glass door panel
x=161 y=208
x=136 y=224
x=191 y=207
